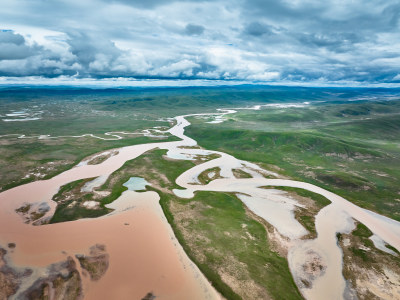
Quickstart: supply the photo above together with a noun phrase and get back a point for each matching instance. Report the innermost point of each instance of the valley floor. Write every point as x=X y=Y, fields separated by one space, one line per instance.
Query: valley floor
x=238 y=228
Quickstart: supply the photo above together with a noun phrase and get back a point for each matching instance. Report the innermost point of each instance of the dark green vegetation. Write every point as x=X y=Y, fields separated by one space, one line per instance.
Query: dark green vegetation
x=26 y=160
x=363 y=234
x=149 y=166
x=66 y=111
x=238 y=173
x=204 y=177
x=209 y=222
x=348 y=144
x=69 y=203
x=70 y=197
x=350 y=148
x=204 y=226
x=73 y=112
x=393 y=249
x=319 y=200
x=364 y=265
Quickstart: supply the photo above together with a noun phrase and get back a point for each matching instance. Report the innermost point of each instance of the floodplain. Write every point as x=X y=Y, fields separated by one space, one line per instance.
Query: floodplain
x=241 y=158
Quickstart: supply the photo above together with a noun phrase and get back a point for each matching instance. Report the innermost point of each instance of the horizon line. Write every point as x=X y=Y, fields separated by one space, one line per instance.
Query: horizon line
x=126 y=83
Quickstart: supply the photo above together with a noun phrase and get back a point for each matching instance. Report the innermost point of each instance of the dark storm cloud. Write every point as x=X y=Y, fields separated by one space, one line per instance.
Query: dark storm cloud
x=336 y=42
x=86 y=48
x=258 y=29
x=12 y=46
x=256 y=40
x=9 y=37
x=192 y=29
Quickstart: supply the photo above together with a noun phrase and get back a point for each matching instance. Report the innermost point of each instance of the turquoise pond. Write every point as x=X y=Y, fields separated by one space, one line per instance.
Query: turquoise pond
x=136 y=184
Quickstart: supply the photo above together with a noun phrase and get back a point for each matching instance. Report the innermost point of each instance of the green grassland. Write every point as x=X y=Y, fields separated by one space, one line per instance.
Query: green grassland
x=204 y=226
x=340 y=125
x=204 y=177
x=348 y=144
x=70 y=197
x=351 y=148
x=73 y=112
x=69 y=203
x=43 y=159
x=225 y=241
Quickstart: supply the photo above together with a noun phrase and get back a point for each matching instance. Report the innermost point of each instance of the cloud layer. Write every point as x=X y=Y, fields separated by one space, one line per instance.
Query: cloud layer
x=254 y=40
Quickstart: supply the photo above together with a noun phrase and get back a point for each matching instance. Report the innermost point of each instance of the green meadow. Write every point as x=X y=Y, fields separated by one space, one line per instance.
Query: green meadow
x=352 y=149
x=204 y=226
x=344 y=140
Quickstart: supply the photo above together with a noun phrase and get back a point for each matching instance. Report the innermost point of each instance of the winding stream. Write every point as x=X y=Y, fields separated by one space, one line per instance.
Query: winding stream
x=145 y=256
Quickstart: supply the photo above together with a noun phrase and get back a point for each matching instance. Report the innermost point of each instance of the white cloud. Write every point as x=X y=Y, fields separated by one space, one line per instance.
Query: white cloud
x=282 y=41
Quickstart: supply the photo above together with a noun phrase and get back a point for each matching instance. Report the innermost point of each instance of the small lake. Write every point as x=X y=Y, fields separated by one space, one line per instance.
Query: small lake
x=136 y=184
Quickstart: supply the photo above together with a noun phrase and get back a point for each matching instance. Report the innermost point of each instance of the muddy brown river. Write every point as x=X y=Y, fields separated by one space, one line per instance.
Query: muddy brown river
x=144 y=253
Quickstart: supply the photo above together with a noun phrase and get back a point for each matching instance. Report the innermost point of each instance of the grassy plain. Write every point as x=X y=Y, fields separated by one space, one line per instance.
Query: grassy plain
x=204 y=226
x=349 y=148
x=348 y=144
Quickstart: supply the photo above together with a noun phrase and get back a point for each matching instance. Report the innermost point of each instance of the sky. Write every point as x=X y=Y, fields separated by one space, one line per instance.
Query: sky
x=338 y=42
